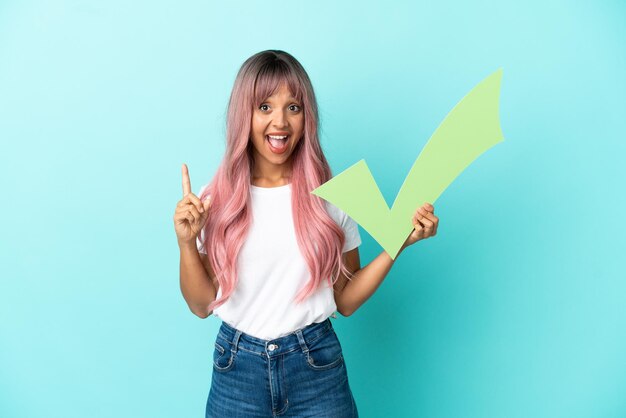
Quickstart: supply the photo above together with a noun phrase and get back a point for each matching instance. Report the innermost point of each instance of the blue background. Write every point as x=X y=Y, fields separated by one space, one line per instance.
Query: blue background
x=515 y=309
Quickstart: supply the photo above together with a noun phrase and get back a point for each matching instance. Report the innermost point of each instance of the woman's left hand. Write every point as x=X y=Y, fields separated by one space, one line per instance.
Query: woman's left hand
x=425 y=224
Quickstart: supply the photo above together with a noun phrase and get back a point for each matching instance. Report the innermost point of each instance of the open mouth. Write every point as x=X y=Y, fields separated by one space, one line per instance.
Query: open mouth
x=278 y=143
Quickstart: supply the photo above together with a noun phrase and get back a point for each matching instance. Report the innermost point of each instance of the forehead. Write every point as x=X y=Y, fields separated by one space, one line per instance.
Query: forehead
x=275 y=83
x=282 y=92
x=277 y=98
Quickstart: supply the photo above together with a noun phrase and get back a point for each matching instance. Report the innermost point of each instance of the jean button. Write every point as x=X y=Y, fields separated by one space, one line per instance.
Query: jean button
x=272 y=347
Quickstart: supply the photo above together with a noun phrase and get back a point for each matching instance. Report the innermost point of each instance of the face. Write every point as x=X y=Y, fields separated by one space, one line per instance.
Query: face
x=278 y=116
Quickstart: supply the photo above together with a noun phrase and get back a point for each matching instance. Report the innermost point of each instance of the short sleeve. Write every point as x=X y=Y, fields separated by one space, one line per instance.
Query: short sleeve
x=199 y=242
x=351 y=231
x=349 y=226
x=200 y=237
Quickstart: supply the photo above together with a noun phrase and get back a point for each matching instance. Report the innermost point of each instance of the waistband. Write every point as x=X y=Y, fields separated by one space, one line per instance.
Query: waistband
x=299 y=339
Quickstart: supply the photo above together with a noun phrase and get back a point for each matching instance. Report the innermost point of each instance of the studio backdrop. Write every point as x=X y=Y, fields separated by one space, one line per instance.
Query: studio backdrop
x=516 y=308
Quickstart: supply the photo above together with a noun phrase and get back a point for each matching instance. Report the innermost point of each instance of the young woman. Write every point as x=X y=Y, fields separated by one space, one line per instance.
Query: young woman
x=272 y=260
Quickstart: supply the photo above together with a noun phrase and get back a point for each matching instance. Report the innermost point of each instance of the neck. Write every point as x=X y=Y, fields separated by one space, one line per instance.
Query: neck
x=263 y=181
x=270 y=176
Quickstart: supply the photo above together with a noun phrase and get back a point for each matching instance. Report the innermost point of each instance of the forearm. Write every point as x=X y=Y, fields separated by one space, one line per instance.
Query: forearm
x=365 y=282
x=195 y=284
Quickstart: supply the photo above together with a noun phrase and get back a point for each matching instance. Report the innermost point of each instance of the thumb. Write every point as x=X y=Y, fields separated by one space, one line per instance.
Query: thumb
x=204 y=216
x=206 y=204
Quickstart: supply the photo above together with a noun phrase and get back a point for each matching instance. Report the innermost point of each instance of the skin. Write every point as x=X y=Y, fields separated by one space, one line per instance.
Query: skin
x=351 y=294
x=197 y=282
x=279 y=112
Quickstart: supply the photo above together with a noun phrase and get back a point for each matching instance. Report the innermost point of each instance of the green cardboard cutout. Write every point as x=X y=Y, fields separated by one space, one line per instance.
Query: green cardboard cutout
x=471 y=128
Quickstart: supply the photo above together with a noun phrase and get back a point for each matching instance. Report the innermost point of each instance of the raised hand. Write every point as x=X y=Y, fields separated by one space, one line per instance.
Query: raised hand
x=191 y=213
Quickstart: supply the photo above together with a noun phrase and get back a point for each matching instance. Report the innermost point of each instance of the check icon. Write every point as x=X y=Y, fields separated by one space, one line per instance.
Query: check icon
x=471 y=128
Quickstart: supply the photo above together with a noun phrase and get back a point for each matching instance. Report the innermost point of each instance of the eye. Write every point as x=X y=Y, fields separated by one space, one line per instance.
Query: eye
x=296 y=106
x=263 y=105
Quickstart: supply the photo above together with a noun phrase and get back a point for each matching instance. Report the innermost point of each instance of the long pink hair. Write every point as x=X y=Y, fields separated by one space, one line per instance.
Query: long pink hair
x=319 y=238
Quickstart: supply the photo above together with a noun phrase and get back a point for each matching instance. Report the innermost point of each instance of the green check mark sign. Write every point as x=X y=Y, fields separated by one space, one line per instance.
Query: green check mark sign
x=471 y=128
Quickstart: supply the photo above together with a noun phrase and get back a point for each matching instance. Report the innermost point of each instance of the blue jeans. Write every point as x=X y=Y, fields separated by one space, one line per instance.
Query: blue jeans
x=302 y=374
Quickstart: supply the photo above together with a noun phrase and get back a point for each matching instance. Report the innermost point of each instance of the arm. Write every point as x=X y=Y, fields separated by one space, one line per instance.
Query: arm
x=350 y=295
x=196 y=280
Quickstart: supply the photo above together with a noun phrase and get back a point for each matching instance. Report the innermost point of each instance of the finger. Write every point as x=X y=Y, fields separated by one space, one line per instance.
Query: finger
x=430 y=209
x=428 y=225
x=419 y=215
x=433 y=218
x=183 y=213
x=190 y=199
x=186 y=181
x=206 y=204
x=416 y=220
x=195 y=213
x=183 y=202
x=190 y=216
x=428 y=215
x=189 y=212
x=179 y=218
x=426 y=219
x=194 y=200
x=419 y=230
x=185 y=208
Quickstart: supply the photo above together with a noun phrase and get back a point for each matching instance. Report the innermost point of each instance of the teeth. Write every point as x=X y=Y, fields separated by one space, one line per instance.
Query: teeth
x=277 y=141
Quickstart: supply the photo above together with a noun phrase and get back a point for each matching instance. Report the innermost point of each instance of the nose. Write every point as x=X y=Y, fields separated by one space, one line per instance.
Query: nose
x=281 y=119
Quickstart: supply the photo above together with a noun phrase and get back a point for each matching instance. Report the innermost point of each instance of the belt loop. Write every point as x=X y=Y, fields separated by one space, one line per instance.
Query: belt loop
x=236 y=341
x=305 y=349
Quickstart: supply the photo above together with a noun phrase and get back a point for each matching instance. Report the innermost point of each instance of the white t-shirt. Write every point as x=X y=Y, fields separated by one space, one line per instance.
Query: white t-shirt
x=271 y=270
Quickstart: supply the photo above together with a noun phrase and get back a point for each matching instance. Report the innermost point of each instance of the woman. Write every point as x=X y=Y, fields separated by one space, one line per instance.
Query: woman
x=272 y=260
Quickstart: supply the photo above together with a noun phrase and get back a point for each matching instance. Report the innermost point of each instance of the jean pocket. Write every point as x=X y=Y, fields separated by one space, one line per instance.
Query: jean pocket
x=223 y=358
x=325 y=352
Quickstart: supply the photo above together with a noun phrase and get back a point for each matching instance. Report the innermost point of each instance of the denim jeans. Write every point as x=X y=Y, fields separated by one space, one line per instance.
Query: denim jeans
x=302 y=374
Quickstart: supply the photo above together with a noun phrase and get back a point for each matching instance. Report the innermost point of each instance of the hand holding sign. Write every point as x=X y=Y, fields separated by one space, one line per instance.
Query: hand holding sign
x=425 y=224
x=191 y=214
x=471 y=128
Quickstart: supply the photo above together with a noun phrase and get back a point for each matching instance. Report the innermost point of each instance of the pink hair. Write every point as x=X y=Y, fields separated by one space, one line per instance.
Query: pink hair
x=319 y=237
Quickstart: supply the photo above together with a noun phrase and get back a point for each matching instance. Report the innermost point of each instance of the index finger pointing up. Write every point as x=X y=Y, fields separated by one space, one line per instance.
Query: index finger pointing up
x=186 y=181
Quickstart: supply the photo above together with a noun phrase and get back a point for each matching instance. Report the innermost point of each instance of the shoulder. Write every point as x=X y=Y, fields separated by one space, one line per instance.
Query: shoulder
x=349 y=226
x=338 y=215
x=342 y=218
